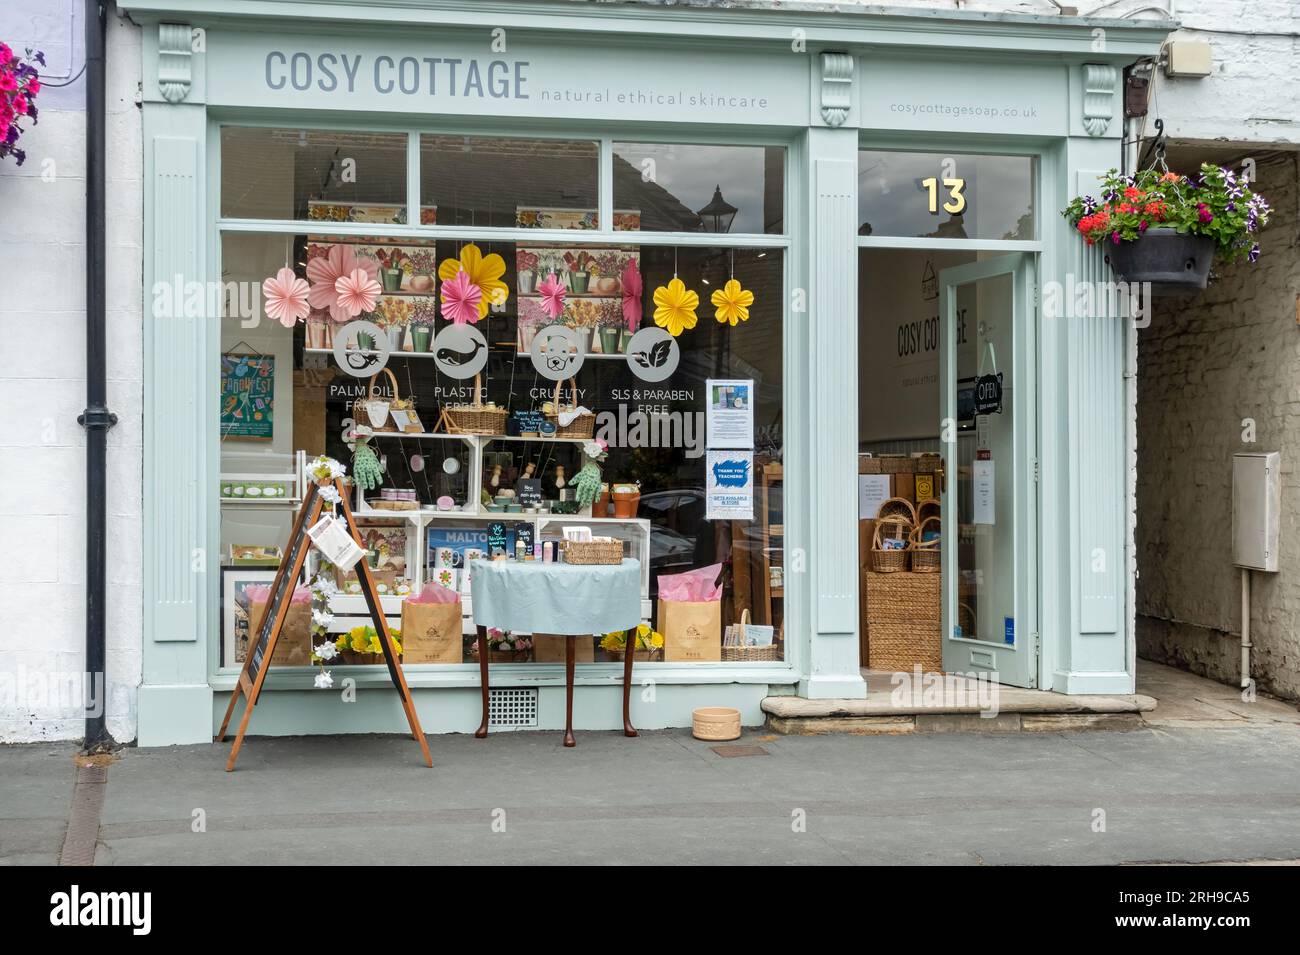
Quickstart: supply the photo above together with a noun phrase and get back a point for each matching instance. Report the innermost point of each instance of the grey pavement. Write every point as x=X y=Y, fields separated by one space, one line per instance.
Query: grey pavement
x=1183 y=793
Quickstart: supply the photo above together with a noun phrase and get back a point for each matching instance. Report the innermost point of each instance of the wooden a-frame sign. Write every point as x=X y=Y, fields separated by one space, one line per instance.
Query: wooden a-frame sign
x=260 y=649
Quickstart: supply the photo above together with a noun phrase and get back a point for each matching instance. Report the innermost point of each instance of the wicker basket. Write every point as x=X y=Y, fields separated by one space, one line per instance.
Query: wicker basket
x=473 y=419
x=583 y=426
x=890 y=560
x=897 y=507
x=743 y=654
x=927 y=509
x=927 y=557
x=903 y=621
x=601 y=551
x=395 y=403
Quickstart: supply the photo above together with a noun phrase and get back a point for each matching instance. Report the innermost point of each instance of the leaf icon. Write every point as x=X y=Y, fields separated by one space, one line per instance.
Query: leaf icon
x=659 y=353
x=641 y=359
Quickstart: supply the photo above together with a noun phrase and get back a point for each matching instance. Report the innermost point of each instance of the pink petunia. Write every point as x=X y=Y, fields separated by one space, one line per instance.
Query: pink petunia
x=460 y=299
x=357 y=292
x=324 y=272
x=33 y=86
x=20 y=104
x=7 y=82
x=552 y=292
x=286 y=298
x=632 y=289
x=6 y=54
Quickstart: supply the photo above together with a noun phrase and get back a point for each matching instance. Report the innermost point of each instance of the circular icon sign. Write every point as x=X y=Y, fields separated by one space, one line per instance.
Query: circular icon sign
x=460 y=351
x=653 y=354
x=368 y=351
x=557 y=352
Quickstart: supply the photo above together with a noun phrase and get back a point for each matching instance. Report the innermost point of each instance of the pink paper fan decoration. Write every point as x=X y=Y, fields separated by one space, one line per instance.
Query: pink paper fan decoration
x=552 y=292
x=324 y=273
x=460 y=298
x=286 y=298
x=632 y=289
x=357 y=292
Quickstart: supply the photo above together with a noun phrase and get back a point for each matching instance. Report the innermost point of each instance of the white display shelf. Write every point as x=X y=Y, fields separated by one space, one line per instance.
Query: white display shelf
x=370 y=351
x=478 y=439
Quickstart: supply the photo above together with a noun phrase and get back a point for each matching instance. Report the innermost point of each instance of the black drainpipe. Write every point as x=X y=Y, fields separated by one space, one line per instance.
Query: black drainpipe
x=96 y=419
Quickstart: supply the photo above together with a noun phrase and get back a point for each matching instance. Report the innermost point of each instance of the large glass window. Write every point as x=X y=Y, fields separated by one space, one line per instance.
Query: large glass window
x=946 y=195
x=503 y=183
x=308 y=174
x=671 y=187
x=284 y=390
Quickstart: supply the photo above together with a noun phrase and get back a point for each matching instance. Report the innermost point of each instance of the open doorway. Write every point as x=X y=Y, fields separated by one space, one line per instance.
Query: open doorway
x=945 y=496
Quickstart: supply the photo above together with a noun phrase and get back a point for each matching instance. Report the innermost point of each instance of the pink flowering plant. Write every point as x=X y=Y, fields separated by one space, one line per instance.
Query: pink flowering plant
x=1218 y=203
x=19 y=84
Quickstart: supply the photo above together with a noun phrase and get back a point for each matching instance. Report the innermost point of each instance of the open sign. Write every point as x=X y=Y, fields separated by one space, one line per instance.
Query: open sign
x=988 y=394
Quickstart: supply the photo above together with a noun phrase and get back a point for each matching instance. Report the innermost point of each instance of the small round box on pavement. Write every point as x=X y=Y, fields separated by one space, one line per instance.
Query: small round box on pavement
x=715 y=723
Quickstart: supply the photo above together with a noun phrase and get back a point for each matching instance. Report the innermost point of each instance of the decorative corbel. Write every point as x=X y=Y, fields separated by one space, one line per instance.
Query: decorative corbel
x=837 y=87
x=1099 y=82
x=175 y=61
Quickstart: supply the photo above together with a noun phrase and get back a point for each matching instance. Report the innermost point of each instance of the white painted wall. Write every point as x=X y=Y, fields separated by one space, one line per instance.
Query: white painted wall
x=42 y=386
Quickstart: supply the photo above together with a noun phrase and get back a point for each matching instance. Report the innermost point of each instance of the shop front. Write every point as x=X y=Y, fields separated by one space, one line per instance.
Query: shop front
x=757 y=260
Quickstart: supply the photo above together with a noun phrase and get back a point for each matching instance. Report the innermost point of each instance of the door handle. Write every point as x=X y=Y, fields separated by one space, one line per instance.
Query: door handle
x=941 y=478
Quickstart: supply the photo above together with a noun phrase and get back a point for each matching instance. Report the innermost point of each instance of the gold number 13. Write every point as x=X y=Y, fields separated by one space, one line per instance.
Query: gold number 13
x=956 y=203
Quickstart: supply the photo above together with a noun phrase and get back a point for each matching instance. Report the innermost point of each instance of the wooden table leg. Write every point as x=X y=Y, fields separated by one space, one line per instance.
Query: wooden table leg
x=628 y=654
x=570 y=653
x=483 y=652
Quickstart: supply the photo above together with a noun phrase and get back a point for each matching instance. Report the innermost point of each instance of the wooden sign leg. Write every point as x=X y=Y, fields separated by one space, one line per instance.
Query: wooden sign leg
x=235 y=694
x=371 y=594
x=628 y=655
x=482 y=730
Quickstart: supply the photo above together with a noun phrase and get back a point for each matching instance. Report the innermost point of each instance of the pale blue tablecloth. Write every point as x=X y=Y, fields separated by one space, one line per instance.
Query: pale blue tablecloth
x=573 y=599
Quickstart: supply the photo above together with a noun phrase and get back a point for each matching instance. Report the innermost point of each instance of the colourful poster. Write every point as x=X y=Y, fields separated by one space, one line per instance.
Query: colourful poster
x=730 y=486
x=248 y=397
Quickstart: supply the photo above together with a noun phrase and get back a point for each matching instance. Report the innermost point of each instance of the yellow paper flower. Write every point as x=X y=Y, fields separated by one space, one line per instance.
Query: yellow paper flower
x=732 y=302
x=675 y=307
x=484 y=271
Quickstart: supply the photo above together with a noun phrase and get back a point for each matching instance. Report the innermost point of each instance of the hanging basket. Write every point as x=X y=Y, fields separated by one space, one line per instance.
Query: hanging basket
x=889 y=545
x=927 y=558
x=1164 y=257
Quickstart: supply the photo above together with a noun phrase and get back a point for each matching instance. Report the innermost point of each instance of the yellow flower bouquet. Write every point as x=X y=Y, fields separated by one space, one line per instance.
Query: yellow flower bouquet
x=649 y=644
x=361 y=645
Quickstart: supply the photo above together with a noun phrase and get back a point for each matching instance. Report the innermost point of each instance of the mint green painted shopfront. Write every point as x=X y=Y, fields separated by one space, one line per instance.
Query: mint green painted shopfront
x=886 y=186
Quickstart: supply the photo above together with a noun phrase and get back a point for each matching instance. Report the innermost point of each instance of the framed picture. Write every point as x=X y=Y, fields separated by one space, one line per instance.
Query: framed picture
x=248 y=397
x=235 y=624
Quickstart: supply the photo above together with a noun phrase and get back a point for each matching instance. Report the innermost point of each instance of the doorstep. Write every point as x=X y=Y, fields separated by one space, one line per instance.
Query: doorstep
x=960 y=708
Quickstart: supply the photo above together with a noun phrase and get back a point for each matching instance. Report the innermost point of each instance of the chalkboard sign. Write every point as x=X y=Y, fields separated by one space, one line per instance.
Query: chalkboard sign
x=988 y=394
x=528 y=491
x=262 y=644
x=525 y=422
x=524 y=535
x=496 y=532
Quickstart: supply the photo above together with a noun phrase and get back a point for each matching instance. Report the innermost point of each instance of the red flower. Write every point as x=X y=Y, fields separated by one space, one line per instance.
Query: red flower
x=1134 y=194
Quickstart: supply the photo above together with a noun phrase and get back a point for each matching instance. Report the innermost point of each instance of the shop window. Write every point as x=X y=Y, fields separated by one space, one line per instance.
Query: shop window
x=667 y=187
x=312 y=174
x=946 y=195
x=284 y=391
x=503 y=183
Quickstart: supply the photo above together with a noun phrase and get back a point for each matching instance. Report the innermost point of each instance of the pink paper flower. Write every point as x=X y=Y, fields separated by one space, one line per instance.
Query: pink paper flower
x=324 y=272
x=632 y=289
x=357 y=292
x=286 y=298
x=460 y=299
x=552 y=292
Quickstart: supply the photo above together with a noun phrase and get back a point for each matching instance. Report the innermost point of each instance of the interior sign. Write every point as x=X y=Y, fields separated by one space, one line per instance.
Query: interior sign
x=988 y=394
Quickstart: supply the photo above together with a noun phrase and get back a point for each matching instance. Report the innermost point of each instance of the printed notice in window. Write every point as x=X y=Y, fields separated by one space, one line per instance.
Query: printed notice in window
x=731 y=413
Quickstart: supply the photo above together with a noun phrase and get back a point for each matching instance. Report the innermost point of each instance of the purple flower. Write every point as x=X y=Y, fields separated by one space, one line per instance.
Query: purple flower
x=1203 y=213
x=1142 y=226
x=1253 y=254
x=1114 y=237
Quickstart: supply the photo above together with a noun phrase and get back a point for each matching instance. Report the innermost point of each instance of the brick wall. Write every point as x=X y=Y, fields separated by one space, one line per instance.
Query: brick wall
x=43 y=389
x=1206 y=363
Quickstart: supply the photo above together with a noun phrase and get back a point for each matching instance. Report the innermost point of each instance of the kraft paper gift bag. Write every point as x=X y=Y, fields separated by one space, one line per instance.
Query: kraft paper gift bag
x=549 y=648
x=692 y=630
x=293 y=649
x=431 y=632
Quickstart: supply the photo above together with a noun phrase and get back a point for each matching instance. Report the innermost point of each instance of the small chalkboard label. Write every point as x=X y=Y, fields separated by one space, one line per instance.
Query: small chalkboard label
x=528 y=491
x=496 y=534
x=525 y=422
x=988 y=394
x=524 y=535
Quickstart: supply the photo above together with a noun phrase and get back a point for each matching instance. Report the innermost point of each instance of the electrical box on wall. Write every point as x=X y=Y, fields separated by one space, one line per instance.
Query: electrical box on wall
x=1256 y=505
x=1189 y=58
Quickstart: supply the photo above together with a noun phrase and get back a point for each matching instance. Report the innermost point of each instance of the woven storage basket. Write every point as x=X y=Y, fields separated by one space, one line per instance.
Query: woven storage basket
x=897 y=507
x=395 y=403
x=474 y=419
x=927 y=509
x=886 y=560
x=903 y=621
x=583 y=426
x=592 y=552
x=750 y=654
x=927 y=558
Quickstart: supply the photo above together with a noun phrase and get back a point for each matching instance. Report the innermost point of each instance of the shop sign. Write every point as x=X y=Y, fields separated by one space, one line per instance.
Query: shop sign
x=988 y=394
